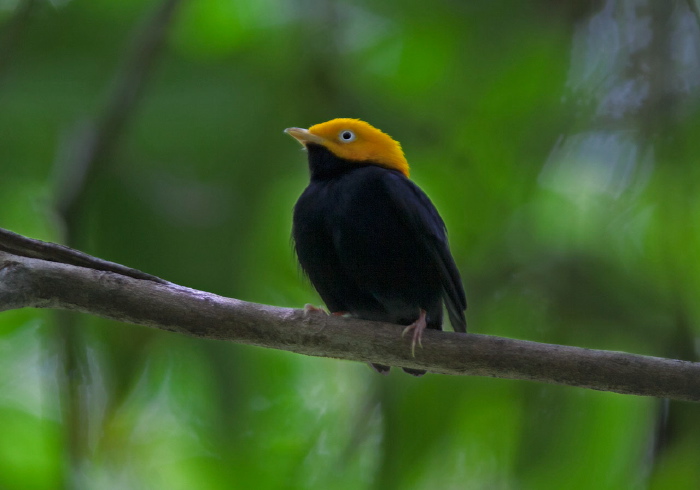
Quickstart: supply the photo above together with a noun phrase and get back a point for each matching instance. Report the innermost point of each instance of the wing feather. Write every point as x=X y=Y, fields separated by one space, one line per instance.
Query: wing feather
x=424 y=220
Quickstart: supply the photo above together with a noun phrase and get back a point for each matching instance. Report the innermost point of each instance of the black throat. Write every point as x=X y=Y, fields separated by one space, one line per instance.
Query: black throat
x=325 y=165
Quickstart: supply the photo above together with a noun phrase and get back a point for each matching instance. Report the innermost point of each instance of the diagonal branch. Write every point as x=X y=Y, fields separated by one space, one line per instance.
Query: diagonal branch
x=94 y=142
x=28 y=247
x=27 y=282
x=12 y=31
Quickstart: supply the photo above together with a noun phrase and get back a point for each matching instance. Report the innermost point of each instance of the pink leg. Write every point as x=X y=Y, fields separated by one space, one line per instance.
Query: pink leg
x=418 y=326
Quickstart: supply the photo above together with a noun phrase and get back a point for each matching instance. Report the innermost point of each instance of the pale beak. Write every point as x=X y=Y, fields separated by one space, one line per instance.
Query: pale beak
x=303 y=136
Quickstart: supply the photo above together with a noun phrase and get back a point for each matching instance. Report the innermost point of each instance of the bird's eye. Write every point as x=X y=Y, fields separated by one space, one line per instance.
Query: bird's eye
x=347 y=136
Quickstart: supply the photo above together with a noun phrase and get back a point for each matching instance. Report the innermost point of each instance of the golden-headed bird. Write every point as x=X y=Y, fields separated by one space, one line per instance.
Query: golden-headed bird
x=369 y=239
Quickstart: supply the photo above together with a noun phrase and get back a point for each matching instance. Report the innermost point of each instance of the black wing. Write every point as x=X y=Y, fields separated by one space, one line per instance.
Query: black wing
x=422 y=217
x=318 y=258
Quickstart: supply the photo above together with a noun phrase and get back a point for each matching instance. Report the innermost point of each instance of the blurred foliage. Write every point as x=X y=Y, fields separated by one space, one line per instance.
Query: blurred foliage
x=558 y=140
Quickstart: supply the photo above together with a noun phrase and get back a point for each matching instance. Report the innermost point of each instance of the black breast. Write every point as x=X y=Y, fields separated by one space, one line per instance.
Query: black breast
x=357 y=248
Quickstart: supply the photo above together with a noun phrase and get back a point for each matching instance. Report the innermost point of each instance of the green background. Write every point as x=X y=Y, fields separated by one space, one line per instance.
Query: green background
x=559 y=140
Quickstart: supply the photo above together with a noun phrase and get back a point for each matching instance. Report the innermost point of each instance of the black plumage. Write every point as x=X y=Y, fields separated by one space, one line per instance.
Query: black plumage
x=373 y=245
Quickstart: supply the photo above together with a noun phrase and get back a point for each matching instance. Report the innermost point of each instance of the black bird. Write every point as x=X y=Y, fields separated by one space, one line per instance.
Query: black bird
x=369 y=239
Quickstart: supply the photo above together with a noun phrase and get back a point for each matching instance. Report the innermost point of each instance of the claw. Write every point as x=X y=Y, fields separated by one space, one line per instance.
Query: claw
x=418 y=326
x=310 y=309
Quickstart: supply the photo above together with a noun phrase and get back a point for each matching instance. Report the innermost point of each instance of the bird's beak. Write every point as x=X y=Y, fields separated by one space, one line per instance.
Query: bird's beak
x=303 y=136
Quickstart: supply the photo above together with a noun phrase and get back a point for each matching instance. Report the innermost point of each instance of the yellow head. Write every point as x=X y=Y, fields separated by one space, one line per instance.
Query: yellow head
x=355 y=140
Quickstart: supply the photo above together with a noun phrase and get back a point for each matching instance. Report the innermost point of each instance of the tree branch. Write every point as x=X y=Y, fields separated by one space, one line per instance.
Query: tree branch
x=27 y=282
x=28 y=247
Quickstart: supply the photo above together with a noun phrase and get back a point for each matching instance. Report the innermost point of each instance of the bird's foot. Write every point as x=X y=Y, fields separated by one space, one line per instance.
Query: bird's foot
x=418 y=326
x=310 y=309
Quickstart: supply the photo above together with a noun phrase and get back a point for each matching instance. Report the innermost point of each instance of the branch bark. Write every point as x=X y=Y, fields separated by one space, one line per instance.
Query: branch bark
x=27 y=282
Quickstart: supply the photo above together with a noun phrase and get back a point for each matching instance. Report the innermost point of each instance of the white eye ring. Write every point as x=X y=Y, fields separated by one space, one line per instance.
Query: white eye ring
x=346 y=136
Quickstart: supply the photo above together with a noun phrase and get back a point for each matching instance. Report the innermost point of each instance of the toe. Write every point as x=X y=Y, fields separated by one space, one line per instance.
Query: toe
x=309 y=309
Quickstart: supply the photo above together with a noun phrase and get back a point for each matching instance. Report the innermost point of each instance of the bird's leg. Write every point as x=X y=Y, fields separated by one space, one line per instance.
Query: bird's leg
x=418 y=326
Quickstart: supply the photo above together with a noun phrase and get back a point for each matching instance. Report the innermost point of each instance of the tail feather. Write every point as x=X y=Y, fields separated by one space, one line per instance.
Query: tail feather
x=457 y=318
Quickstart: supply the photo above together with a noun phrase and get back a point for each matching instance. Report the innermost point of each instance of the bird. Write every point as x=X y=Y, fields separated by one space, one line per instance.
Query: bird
x=370 y=241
